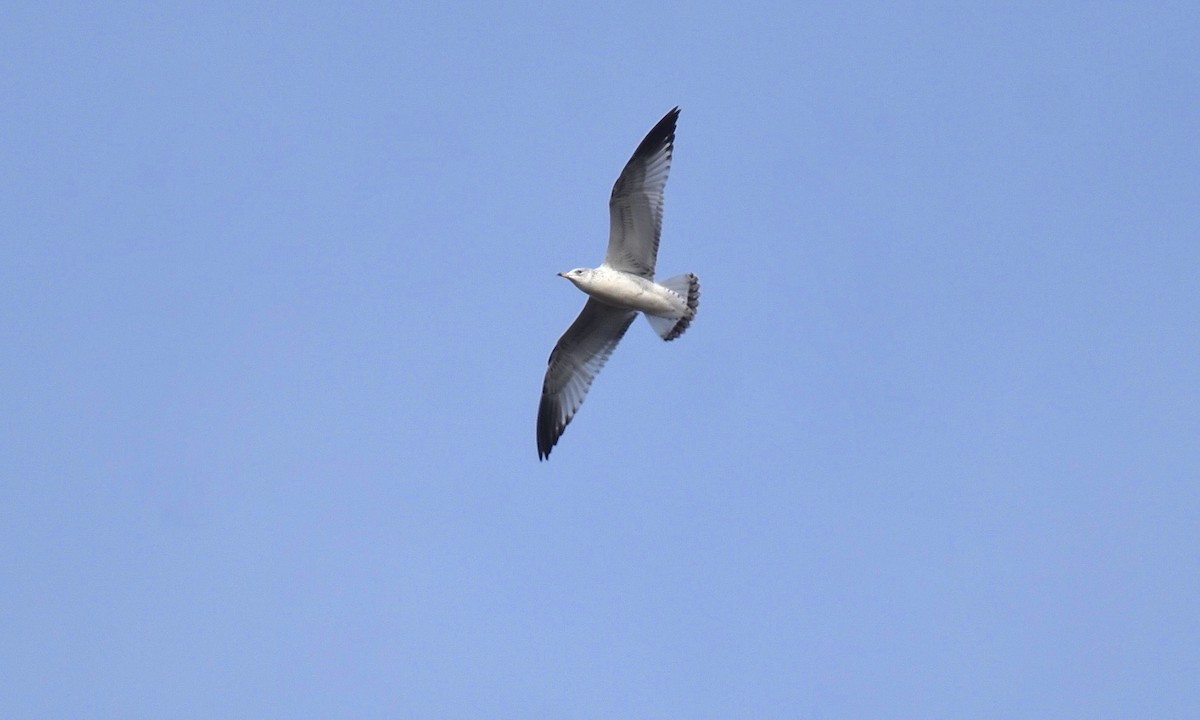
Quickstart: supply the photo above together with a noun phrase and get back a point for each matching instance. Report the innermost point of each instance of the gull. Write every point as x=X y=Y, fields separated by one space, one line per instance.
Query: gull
x=620 y=288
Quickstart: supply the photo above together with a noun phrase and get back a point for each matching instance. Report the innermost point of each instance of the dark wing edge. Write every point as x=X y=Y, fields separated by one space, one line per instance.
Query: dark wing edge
x=574 y=363
x=636 y=204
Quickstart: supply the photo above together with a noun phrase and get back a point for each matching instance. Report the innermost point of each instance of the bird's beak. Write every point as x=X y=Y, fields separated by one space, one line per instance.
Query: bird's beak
x=562 y=275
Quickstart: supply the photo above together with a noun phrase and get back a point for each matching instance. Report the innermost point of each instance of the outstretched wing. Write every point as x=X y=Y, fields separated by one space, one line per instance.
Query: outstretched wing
x=636 y=206
x=576 y=360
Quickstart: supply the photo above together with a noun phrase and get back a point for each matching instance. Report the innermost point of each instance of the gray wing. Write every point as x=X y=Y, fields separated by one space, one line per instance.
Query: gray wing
x=576 y=360
x=636 y=206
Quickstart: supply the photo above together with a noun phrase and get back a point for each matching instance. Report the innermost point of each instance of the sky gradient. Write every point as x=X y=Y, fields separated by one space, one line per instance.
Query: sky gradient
x=277 y=288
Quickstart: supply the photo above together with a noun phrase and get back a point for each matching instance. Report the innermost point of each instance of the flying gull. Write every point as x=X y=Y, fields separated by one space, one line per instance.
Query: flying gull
x=620 y=288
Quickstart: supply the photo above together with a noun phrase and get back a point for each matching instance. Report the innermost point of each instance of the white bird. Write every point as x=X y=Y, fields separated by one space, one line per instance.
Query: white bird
x=620 y=288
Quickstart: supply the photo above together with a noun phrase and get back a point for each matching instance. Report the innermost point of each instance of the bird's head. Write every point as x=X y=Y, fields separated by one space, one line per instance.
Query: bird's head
x=577 y=275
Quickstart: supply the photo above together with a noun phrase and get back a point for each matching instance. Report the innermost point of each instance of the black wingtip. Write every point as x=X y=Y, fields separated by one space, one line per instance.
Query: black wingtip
x=545 y=445
x=662 y=134
x=548 y=430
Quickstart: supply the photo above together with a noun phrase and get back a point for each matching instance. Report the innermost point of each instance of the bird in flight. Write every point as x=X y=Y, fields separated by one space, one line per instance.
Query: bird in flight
x=620 y=288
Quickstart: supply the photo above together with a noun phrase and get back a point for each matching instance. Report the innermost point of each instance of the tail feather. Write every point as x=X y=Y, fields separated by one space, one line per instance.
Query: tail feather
x=686 y=286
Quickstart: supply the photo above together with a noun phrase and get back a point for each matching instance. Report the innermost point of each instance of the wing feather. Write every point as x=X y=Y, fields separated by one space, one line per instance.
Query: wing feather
x=574 y=363
x=636 y=205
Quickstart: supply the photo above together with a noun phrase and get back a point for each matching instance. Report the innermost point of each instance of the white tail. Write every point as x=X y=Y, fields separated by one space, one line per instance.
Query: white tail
x=687 y=286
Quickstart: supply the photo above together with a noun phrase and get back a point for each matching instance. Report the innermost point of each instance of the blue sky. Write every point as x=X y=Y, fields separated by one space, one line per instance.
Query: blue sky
x=277 y=288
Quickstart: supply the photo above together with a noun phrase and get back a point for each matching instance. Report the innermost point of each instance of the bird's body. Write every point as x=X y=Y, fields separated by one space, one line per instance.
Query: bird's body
x=620 y=288
x=627 y=291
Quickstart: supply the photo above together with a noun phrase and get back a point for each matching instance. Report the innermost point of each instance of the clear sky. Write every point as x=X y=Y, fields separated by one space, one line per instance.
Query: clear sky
x=277 y=289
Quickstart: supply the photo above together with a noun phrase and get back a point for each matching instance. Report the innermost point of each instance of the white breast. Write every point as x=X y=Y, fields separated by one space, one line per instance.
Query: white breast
x=626 y=290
